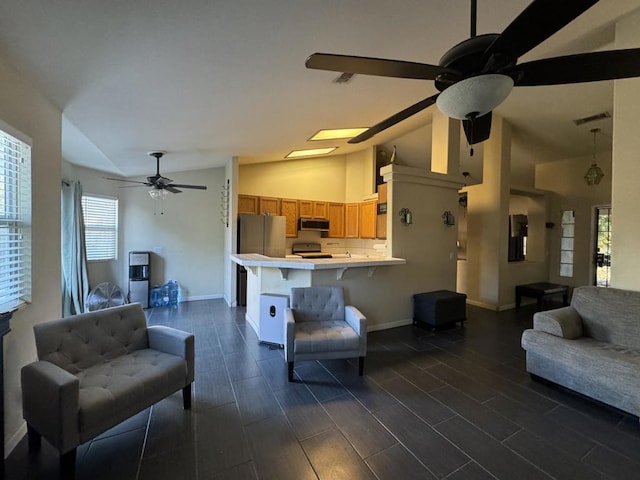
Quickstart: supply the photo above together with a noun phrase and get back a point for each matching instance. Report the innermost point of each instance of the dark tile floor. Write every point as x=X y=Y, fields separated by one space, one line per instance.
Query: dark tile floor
x=453 y=405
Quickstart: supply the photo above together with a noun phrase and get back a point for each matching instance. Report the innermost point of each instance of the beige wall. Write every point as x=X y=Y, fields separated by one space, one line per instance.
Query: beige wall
x=625 y=260
x=26 y=110
x=336 y=178
x=190 y=234
x=571 y=192
x=310 y=179
x=487 y=277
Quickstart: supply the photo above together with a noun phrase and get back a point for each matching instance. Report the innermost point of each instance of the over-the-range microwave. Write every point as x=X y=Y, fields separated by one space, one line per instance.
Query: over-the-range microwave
x=317 y=224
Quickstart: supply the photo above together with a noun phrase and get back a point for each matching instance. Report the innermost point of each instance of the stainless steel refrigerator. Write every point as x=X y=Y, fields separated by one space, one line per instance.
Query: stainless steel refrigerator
x=263 y=234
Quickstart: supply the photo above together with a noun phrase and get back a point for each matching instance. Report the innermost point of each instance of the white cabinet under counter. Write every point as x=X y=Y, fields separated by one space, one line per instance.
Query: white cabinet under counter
x=279 y=275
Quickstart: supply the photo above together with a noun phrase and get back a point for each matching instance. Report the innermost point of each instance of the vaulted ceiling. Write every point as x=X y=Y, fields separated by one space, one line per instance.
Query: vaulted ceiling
x=208 y=80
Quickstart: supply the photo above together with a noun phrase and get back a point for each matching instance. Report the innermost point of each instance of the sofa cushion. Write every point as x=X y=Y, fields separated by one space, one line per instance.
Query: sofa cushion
x=124 y=386
x=602 y=370
x=609 y=314
x=563 y=322
x=317 y=304
x=325 y=337
x=78 y=342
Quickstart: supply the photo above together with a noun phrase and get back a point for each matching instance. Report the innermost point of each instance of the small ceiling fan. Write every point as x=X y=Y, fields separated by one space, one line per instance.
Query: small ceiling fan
x=158 y=182
x=477 y=75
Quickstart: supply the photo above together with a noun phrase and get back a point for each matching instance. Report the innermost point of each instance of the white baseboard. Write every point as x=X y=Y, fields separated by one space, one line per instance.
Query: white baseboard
x=387 y=325
x=195 y=298
x=15 y=439
x=487 y=306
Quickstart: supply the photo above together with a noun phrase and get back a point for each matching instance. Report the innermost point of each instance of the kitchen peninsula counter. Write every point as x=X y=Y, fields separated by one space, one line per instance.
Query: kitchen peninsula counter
x=249 y=260
x=278 y=275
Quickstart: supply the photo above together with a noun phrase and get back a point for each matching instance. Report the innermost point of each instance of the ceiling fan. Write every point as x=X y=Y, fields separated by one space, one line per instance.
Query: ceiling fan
x=158 y=182
x=477 y=74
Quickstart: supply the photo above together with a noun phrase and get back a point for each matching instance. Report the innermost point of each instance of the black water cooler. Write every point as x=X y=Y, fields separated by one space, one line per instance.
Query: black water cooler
x=139 y=277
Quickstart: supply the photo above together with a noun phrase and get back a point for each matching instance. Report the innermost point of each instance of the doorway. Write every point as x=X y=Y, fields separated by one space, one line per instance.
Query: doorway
x=602 y=247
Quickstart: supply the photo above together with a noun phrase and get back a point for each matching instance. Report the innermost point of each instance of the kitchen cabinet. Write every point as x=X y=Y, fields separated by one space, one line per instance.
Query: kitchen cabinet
x=305 y=208
x=269 y=205
x=381 y=226
x=381 y=220
x=289 y=208
x=320 y=210
x=382 y=193
x=312 y=209
x=367 y=219
x=351 y=223
x=248 y=204
x=336 y=214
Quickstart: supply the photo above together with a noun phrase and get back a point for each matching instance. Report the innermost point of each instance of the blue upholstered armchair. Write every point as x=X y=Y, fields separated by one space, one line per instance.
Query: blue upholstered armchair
x=318 y=326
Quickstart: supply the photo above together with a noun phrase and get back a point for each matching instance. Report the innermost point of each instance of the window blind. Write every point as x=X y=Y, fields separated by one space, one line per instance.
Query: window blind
x=15 y=222
x=100 y=227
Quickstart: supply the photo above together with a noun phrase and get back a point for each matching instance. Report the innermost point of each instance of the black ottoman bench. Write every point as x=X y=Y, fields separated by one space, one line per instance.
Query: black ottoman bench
x=439 y=308
x=540 y=291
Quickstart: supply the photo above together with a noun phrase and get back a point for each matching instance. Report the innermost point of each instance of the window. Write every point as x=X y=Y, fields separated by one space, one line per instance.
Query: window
x=100 y=227
x=566 y=244
x=15 y=221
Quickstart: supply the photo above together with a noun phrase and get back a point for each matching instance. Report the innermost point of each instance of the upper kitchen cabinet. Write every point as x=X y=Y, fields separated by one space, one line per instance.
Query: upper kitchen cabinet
x=368 y=218
x=313 y=209
x=289 y=208
x=247 y=204
x=336 y=214
x=320 y=210
x=351 y=215
x=269 y=205
x=382 y=193
x=305 y=208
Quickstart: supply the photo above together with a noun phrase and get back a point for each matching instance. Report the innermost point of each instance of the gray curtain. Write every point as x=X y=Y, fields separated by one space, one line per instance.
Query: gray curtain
x=75 y=281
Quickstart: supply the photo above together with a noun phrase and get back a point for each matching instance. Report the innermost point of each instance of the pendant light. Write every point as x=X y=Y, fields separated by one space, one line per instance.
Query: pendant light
x=595 y=173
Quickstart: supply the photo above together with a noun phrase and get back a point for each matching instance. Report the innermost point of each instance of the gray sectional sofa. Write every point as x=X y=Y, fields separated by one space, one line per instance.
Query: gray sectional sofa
x=591 y=346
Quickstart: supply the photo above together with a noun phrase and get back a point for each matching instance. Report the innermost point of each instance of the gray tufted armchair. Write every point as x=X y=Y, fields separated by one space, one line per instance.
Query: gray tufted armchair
x=97 y=369
x=318 y=326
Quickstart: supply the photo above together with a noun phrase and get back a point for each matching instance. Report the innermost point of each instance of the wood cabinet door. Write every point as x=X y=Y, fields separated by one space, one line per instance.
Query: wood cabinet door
x=305 y=208
x=336 y=220
x=381 y=226
x=269 y=205
x=368 y=214
x=352 y=212
x=382 y=193
x=247 y=204
x=289 y=208
x=320 y=210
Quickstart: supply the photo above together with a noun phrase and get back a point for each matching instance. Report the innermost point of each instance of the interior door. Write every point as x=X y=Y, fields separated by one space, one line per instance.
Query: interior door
x=602 y=247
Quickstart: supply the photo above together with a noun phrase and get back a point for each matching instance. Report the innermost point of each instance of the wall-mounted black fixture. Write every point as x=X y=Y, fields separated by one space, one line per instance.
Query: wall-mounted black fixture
x=405 y=216
x=449 y=219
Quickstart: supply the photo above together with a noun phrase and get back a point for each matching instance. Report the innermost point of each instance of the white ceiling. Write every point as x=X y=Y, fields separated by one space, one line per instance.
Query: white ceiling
x=211 y=79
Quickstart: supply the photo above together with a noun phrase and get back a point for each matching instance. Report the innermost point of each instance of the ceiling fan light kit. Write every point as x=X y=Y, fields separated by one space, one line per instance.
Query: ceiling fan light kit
x=160 y=186
x=475 y=96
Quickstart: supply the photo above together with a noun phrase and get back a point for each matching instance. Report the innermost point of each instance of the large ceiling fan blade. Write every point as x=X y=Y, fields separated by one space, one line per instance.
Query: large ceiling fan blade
x=171 y=188
x=583 y=67
x=536 y=23
x=375 y=66
x=393 y=119
x=477 y=130
x=195 y=187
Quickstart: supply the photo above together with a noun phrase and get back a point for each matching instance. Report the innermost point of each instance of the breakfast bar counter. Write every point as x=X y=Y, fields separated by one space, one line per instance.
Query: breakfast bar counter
x=268 y=275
